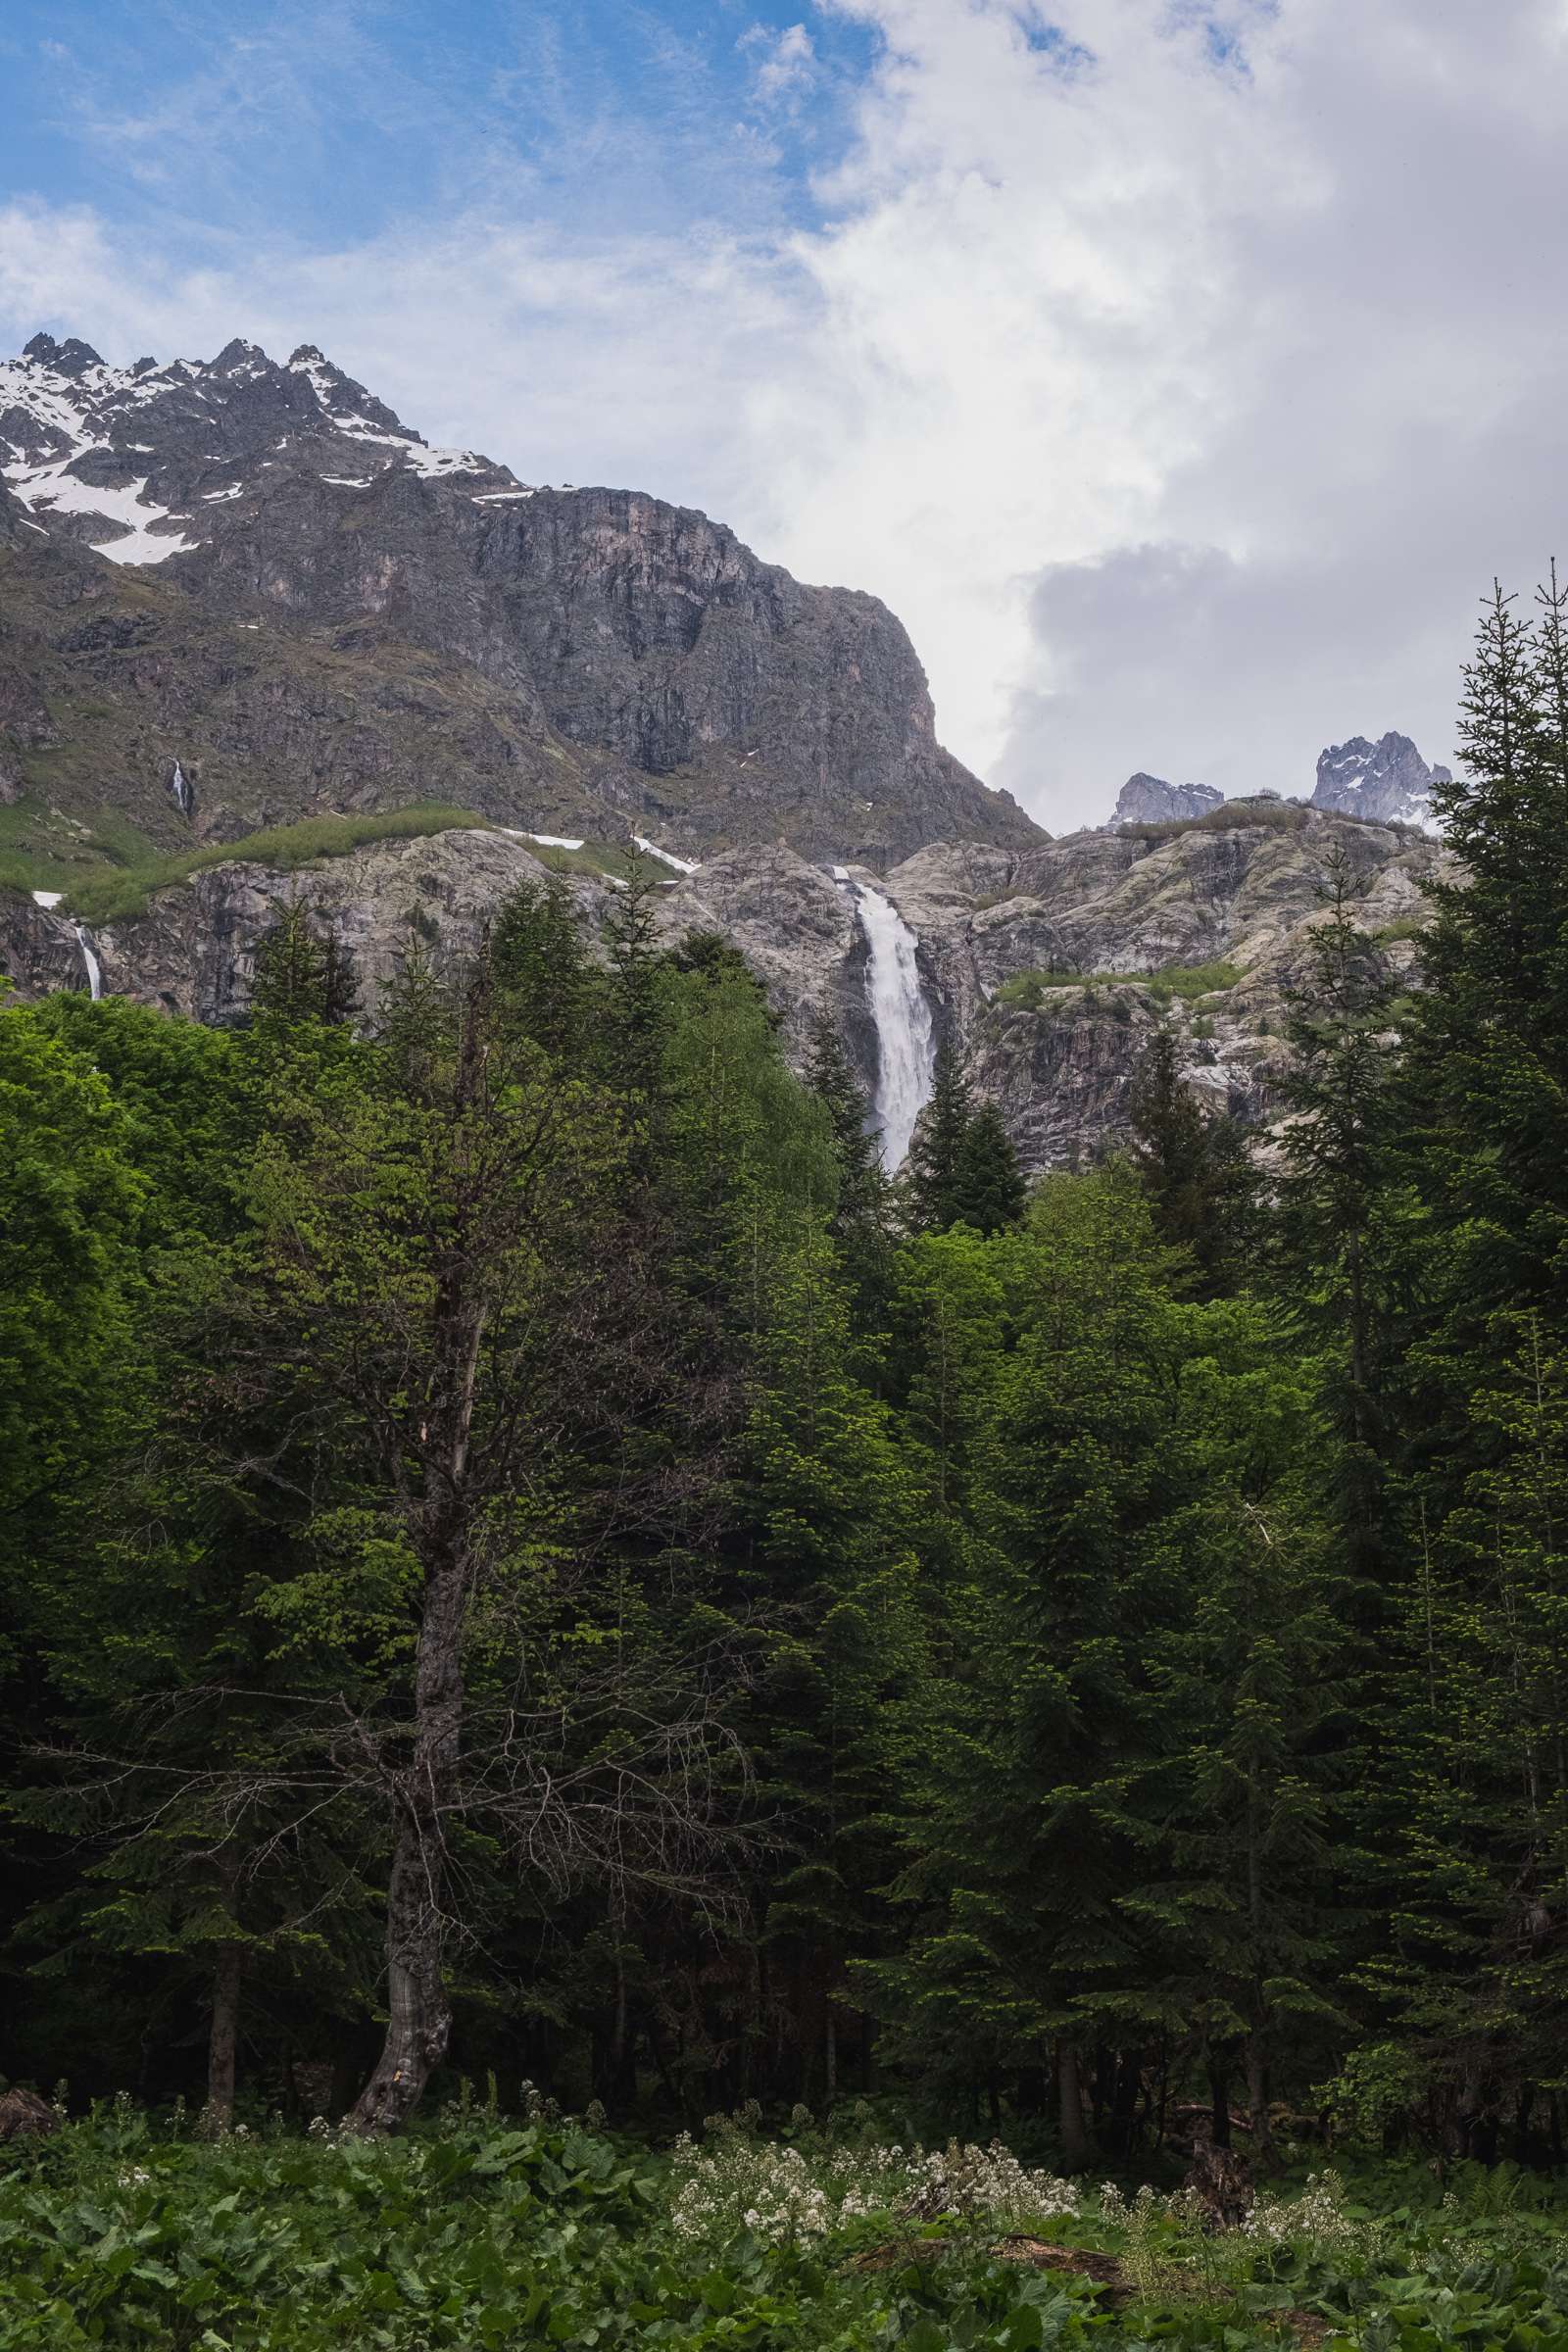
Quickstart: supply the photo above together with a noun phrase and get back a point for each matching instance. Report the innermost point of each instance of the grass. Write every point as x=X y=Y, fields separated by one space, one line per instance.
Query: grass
x=1274 y=816
x=1409 y=926
x=1027 y=991
x=108 y=870
x=41 y=848
x=120 y=894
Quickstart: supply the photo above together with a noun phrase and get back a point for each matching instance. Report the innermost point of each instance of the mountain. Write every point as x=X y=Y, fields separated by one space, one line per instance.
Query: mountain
x=256 y=577
x=1146 y=800
x=1386 y=781
x=1046 y=969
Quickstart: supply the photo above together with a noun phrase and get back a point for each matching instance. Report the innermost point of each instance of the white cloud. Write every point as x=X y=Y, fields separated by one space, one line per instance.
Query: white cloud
x=1178 y=373
x=784 y=67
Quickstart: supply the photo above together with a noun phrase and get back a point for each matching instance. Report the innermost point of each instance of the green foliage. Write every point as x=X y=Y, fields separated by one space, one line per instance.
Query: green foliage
x=517 y=1536
x=122 y=895
x=1183 y=981
x=498 y=2231
x=963 y=1167
x=1194 y=1166
x=1265 y=815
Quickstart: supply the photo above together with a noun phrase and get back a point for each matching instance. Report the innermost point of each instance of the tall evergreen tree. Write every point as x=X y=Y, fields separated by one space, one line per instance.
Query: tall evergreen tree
x=963 y=1167
x=934 y=1174
x=1337 y=1202
x=991 y=1190
x=1194 y=1166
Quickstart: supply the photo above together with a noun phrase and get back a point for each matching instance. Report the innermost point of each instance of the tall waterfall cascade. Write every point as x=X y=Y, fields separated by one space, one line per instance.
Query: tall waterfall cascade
x=89 y=962
x=906 y=1046
x=183 y=797
x=49 y=899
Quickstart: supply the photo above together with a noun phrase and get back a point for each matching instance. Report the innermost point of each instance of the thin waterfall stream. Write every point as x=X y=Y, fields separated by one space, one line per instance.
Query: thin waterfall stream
x=906 y=1046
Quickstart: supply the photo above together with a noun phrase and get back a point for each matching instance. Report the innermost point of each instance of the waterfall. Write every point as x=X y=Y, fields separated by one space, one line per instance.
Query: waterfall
x=89 y=962
x=49 y=899
x=180 y=786
x=905 y=1049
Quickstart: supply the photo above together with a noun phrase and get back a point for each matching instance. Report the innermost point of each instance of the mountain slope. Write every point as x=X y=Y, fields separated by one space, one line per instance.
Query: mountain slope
x=259 y=573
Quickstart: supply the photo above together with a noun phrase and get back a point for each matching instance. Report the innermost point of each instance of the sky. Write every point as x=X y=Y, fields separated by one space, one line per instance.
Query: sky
x=1181 y=371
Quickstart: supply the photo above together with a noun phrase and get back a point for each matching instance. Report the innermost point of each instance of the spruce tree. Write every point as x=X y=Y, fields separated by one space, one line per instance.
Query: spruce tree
x=963 y=1167
x=1337 y=1203
x=1194 y=1166
x=933 y=1173
x=990 y=1187
x=861 y=1221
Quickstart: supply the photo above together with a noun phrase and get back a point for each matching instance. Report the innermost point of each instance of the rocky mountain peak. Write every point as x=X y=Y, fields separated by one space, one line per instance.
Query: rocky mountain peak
x=1386 y=781
x=72 y=359
x=148 y=462
x=1149 y=800
x=344 y=618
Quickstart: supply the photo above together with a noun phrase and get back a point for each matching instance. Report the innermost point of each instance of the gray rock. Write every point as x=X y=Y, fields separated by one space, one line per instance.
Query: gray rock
x=1150 y=801
x=314 y=610
x=1386 y=781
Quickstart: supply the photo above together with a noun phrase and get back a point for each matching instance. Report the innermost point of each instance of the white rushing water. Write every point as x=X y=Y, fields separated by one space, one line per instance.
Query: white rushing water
x=905 y=1050
x=89 y=962
x=49 y=899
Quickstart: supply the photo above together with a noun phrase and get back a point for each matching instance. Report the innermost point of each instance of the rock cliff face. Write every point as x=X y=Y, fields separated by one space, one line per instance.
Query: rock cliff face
x=1386 y=781
x=237 y=592
x=1149 y=799
x=257 y=572
x=1046 y=969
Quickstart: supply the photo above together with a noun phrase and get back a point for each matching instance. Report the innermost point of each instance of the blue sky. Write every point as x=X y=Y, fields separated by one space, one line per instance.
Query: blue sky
x=1153 y=359
x=202 y=118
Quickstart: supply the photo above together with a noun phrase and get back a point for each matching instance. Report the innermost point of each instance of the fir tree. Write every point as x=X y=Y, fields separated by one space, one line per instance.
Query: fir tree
x=963 y=1167
x=990 y=1187
x=1335 y=1209
x=1194 y=1166
x=934 y=1176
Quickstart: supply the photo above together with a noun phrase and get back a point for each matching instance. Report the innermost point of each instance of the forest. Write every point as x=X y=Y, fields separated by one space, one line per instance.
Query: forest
x=538 y=1584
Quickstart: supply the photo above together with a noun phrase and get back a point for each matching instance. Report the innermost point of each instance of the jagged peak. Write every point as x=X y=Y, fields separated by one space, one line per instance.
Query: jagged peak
x=72 y=359
x=237 y=353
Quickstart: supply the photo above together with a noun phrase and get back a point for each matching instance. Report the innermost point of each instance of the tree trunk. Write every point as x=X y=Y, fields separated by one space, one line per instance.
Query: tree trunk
x=1263 y=2150
x=1220 y=2107
x=1070 y=2109
x=418 y=2024
x=222 y=2047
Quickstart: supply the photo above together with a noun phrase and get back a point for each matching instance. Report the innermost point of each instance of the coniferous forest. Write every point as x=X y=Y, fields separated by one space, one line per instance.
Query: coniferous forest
x=528 y=1561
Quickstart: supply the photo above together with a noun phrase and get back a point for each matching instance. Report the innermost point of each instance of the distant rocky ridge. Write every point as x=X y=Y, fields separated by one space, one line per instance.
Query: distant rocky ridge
x=307 y=609
x=1386 y=781
x=1149 y=800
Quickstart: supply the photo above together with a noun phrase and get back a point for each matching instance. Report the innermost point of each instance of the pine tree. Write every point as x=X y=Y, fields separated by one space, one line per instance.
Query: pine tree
x=933 y=1178
x=1194 y=1166
x=1247 y=1891
x=303 y=972
x=543 y=971
x=963 y=1168
x=1335 y=1223
x=862 y=1222
x=833 y=1581
x=990 y=1187
x=1020 y=1840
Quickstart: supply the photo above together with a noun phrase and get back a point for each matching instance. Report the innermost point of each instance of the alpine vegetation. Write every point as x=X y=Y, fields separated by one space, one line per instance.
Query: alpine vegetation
x=540 y=1544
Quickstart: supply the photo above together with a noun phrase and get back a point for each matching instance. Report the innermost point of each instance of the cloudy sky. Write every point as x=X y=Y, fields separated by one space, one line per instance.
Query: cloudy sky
x=1180 y=371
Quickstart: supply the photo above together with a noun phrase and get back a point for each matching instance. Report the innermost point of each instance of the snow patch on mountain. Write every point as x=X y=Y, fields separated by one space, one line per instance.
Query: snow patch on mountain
x=651 y=848
x=1387 y=782
x=66 y=415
